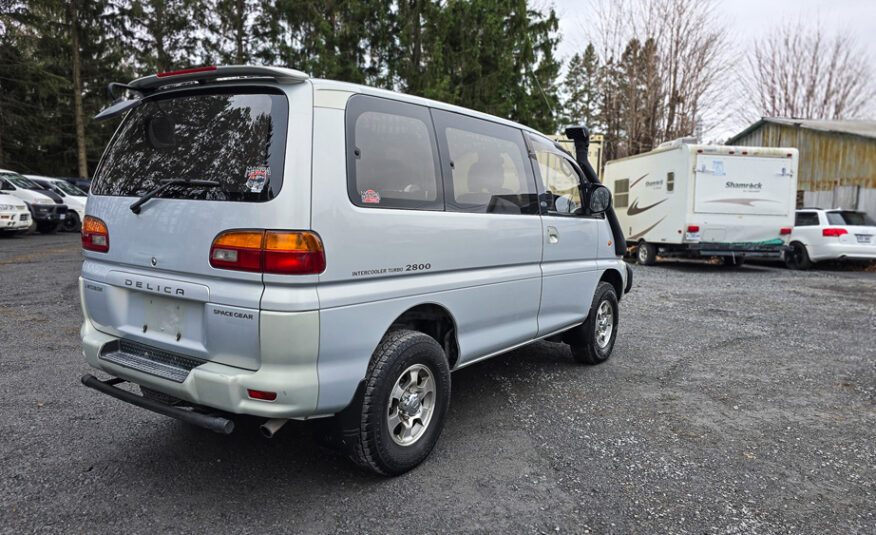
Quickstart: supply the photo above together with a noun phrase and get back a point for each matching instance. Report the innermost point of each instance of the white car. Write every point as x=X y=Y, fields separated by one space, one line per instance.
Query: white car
x=820 y=235
x=74 y=198
x=14 y=215
x=46 y=213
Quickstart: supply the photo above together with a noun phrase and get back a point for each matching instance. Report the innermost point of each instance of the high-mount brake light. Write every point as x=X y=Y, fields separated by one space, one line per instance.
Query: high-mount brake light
x=186 y=71
x=268 y=251
x=836 y=232
x=95 y=236
x=784 y=230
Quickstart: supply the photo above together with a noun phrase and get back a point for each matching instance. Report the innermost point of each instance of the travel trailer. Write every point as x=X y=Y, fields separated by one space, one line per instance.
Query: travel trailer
x=685 y=199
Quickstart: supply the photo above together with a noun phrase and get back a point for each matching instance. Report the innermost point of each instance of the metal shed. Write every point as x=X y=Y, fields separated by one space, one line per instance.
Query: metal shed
x=837 y=158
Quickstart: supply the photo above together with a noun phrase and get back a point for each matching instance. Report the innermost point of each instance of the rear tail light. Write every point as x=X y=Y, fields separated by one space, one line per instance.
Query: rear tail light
x=268 y=251
x=693 y=228
x=785 y=230
x=95 y=236
x=834 y=232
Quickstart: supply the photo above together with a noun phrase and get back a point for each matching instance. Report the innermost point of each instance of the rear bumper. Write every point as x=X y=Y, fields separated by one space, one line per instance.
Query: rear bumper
x=842 y=251
x=739 y=249
x=288 y=351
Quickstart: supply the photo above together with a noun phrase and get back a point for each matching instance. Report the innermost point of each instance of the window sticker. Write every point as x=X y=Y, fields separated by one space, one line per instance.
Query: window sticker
x=718 y=168
x=370 y=197
x=256 y=177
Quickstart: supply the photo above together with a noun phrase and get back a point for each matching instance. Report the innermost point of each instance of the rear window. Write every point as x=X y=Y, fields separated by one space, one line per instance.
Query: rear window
x=849 y=218
x=234 y=137
x=806 y=219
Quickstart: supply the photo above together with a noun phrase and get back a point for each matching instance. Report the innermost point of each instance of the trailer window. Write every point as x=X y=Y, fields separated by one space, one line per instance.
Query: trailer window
x=621 y=193
x=670 y=181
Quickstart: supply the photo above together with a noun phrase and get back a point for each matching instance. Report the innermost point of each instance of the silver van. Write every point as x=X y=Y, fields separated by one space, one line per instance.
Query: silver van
x=261 y=243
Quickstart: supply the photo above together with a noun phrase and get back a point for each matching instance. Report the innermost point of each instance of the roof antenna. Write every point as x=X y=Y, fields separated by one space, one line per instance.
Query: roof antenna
x=546 y=101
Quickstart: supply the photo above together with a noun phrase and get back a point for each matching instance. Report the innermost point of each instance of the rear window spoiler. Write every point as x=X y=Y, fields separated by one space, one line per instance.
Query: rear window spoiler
x=149 y=84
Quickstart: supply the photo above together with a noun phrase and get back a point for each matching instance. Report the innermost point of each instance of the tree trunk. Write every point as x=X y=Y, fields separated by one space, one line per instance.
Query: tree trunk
x=240 y=15
x=78 y=113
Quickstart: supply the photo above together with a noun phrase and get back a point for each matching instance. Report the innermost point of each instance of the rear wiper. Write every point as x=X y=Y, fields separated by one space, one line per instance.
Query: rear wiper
x=171 y=182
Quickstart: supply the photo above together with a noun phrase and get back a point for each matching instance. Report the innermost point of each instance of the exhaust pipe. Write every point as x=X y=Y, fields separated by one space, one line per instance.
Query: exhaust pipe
x=270 y=427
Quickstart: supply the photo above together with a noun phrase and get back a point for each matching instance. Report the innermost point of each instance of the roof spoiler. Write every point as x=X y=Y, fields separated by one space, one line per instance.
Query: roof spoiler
x=154 y=82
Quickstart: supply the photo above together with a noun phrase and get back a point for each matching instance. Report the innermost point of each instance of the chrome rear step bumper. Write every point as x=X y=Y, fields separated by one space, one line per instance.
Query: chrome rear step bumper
x=171 y=366
x=213 y=422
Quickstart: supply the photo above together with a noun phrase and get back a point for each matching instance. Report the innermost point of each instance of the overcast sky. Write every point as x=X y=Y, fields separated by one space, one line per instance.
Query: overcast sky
x=745 y=21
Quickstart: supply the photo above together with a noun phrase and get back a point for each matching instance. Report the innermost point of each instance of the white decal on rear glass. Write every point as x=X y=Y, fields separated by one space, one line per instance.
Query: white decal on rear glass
x=256 y=177
x=370 y=197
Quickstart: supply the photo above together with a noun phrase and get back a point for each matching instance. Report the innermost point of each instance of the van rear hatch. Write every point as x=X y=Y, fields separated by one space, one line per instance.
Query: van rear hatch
x=155 y=284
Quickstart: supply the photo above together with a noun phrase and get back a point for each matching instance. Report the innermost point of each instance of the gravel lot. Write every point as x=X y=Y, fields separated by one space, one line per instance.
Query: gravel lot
x=737 y=401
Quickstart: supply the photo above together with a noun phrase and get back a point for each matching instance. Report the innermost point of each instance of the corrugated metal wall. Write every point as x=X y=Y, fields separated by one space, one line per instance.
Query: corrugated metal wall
x=827 y=159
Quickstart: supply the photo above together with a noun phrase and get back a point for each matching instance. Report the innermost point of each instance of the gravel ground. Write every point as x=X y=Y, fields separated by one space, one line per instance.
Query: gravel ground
x=737 y=401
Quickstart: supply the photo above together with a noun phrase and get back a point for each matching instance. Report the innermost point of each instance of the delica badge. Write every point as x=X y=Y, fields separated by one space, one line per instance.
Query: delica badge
x=256 y=177
x=370 y=197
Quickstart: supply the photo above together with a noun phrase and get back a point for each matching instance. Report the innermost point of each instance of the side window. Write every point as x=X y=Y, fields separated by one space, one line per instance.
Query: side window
x=487 y=171
x=392 y=156
x=806 y=219
x=670 y=181
x=621 y=193
x=560 y=178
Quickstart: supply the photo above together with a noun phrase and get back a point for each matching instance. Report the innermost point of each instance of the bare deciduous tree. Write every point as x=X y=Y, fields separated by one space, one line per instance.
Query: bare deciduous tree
x=801 y=72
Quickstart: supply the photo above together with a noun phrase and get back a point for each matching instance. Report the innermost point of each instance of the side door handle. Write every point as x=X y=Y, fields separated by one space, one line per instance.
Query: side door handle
x=553 y=235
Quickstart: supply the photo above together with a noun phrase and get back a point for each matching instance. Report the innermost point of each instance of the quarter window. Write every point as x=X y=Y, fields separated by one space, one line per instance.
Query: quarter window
x=806 y=219
x=487 y=171
x=392 y=158
x=621 y=193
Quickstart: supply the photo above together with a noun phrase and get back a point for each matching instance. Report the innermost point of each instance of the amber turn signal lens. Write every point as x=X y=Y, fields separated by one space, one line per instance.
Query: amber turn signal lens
x=95 y=236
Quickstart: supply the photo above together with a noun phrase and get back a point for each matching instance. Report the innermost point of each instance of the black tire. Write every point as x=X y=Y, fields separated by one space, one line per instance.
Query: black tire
x=587 y=347
x=72 y=223
x=797 y=257
x=646 y=254
x=47 y=227
x=733 y=260
x=399 y=352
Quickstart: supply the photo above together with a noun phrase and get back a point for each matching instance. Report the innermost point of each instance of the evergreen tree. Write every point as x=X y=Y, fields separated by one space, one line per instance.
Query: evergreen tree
x=582 y=88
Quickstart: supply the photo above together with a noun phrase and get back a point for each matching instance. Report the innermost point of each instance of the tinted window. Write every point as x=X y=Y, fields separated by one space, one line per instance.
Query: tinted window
x=558 y=176
x=806 y=219
x=234 y=137
x=21 y=181
x=487 y=168
x=849 y=218
x=621 y=193
x=392 y=158
x=670 y=181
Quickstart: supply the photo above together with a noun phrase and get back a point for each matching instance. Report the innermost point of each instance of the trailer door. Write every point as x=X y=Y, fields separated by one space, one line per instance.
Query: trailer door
x=740 y=184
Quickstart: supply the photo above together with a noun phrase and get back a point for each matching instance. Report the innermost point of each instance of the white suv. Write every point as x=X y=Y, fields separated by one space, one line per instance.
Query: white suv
x=258 y=242
x=820 y=235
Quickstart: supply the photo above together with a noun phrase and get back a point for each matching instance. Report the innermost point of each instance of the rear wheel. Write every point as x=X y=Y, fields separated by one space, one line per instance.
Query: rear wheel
x=407 y=392
x=47 y=227
x=797 y=257
x=72 y=223
x=593 y=340
x=646 y=253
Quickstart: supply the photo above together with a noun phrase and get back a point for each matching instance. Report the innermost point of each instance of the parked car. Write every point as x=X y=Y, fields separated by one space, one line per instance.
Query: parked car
x=14 y=215
x=338 y=261
x=72 y=196
x=82 y=183
x=46 y=213
x=820 y=235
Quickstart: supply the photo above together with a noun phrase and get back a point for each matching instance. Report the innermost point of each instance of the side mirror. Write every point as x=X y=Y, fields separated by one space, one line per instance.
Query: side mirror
x=598 y=199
